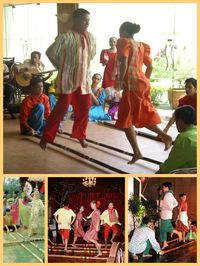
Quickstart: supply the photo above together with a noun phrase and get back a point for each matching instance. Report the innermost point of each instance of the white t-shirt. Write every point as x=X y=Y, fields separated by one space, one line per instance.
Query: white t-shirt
x=167 y=205
x=64 y=217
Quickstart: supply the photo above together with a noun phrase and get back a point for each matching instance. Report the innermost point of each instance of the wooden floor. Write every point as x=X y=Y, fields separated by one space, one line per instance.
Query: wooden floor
x=23 y=155
x=184 y=254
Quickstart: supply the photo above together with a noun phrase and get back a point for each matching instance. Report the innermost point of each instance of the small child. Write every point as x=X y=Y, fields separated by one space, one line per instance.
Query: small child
x=98 y=100
x=184 y=151
x=142 y=238
x=189 y=99
x=113 y=98
x=65 y=218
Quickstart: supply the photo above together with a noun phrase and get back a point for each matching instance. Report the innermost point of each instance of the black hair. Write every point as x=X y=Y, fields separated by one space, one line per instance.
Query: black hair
x=78 y=13
x=35 y=80
x=192 y=81
x=78 y=208
x=146 y=220
x=112 y=38
x=6 y=192
x=181 y=195
x=97 y=74
x=16 y=192
x=7 y=209
x=65 y=203
x=167 y=184
x=186 y=113
x=36 y=52
x=130 y=28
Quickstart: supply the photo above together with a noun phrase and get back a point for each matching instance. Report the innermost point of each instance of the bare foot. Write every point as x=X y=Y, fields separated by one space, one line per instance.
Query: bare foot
x=99 y=252
x=43 y=144
x=180 y=238
x=165 y=246
x=74 y=246
x=67 y=251
x=60 y=131
x=135 y=158
x=84 y=143
x=111 y=240
x=171 y=235
x=168 y=142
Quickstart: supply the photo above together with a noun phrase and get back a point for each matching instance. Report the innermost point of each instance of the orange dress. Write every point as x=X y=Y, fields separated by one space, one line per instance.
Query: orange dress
x=135 y=107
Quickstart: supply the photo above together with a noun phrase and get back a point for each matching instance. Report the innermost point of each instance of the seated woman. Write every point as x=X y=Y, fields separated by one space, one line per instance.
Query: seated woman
x=98 y=99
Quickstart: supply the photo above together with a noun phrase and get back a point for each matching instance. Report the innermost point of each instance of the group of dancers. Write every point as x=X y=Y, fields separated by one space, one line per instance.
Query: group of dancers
x=66 y=217
x=143 y=237
x=22 y=212
x=125 y=87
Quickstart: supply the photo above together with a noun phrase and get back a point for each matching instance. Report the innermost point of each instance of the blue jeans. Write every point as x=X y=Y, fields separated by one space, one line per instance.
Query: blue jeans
x=36 y=118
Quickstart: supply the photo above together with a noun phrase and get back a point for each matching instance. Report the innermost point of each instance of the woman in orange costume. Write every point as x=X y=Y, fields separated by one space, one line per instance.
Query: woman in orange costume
x=135 y=107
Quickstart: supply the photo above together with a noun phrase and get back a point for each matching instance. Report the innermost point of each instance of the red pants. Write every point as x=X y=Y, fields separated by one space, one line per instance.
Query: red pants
x=65 y=233
x=107 y=229
x=81 y=105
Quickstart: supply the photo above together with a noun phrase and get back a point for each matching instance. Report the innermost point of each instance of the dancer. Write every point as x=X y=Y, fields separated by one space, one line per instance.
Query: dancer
x=78 y=228
x=108 y=58
x=189 y=99
x=182 y=220
x=167 y=205
x=14 y=209
x=110 y=220
x=142 y=239
x=135 y=107
x=71 y=54
x=36 y=209
x=24 y=210
x=92 y=234
x=98 y=100
x=65 y=217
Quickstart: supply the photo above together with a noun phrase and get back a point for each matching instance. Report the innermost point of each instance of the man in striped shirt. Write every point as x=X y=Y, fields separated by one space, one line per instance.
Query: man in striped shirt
x=71 y=54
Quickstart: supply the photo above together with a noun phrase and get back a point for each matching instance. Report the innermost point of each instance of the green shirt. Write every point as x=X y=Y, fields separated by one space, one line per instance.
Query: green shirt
x=184 y=152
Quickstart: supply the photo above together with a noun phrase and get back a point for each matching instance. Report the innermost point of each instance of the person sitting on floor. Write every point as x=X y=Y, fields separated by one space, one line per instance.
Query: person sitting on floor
x=96 y=111
x=142 y=239
x=192 y=234
x=189 y=99
x=35 y=109
x=184 y=151
x=113 y=98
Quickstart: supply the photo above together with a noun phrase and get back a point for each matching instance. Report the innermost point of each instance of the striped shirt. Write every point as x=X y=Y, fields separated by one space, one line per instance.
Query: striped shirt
x=71 y=54
x=139 y=239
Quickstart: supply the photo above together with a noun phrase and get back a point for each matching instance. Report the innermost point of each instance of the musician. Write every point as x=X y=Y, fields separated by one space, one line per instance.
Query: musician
x=31 y=66
x=35 y=109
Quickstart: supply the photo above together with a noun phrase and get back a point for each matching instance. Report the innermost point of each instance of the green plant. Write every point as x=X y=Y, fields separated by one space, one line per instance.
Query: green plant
x=157 y=94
